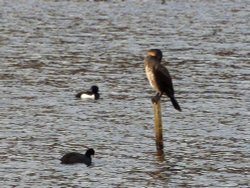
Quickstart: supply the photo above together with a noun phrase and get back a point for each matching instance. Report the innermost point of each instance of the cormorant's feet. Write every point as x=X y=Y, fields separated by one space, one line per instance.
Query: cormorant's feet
x=155 y=99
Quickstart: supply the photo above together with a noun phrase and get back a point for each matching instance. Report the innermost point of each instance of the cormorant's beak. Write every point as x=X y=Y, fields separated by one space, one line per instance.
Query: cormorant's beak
x=151 y=53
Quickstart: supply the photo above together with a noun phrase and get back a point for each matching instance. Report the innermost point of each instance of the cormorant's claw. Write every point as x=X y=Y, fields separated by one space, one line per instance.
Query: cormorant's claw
x=156 y=98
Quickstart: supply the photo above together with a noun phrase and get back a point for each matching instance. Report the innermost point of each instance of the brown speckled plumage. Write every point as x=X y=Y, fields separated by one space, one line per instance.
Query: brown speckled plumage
x=159 y=77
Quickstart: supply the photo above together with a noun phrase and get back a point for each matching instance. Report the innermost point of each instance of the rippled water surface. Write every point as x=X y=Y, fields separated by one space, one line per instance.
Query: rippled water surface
x=50 y=50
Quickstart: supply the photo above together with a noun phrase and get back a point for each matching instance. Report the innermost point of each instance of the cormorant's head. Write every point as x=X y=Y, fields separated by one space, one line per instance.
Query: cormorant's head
x=156 y=53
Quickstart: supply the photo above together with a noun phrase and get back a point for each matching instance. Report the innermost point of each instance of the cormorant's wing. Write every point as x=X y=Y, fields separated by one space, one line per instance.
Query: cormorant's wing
x=163 y=79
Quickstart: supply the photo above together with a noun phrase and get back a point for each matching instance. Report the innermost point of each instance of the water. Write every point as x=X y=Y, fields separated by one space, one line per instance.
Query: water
x=50 y=50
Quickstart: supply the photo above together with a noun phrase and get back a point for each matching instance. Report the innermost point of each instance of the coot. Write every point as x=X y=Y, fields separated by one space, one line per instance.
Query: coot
x=74 y=157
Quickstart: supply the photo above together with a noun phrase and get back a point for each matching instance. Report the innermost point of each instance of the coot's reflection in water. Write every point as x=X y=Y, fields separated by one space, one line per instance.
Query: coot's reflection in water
x=52 y=49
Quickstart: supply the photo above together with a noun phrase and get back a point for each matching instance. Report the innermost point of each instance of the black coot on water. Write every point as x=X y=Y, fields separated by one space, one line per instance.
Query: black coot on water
x=74 y=157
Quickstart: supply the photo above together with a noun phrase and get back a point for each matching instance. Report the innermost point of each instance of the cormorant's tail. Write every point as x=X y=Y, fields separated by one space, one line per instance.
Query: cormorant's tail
x=175 y=104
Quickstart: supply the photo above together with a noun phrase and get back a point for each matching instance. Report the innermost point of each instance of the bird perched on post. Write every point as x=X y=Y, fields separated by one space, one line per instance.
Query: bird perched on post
x=159 y=77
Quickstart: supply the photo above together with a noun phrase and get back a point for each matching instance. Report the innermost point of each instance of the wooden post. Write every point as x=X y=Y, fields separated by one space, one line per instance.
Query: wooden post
x=158 y=125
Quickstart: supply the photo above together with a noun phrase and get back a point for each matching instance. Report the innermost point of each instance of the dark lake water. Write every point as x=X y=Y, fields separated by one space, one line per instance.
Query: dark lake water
x=50 y=50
